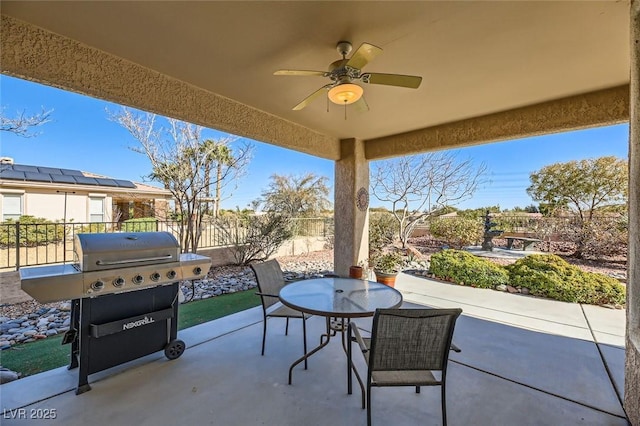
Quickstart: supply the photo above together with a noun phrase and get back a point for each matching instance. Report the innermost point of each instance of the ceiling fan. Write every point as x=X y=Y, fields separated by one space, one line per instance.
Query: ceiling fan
x=344 y=72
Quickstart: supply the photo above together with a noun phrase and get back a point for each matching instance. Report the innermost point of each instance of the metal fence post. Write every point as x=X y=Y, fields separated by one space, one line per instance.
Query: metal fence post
x=17 y=245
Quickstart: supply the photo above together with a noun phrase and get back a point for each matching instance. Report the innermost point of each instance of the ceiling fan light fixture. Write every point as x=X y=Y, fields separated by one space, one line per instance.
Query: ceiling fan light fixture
x=345 y=93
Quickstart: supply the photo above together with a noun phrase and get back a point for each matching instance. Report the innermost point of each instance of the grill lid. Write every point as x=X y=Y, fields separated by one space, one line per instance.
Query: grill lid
x=101 y=251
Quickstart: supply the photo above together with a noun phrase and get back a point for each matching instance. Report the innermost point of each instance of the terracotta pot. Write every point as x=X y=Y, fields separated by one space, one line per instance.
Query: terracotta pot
x=355 y=272
x=387 y=279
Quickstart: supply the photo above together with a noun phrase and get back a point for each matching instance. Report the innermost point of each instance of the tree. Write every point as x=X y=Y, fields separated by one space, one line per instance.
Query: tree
x=23 y=125
x=218 y=156
x=297 y=196
x=586 y=187
x=418 y=186
x=180 y=159
x=479 y=212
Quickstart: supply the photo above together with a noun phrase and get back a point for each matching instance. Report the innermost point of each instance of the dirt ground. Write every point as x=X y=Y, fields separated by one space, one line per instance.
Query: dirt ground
x=10 y=291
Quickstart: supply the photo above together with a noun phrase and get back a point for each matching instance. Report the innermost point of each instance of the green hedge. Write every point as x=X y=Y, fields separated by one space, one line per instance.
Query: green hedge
x=465 y=268
x=545 y=275
x=548 y=275
x=31 y=235
x=90 y=228
x=143 y=224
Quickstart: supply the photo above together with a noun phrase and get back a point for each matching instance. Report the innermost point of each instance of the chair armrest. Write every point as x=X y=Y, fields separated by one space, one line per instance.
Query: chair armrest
x=454 y=348
x=354 y=335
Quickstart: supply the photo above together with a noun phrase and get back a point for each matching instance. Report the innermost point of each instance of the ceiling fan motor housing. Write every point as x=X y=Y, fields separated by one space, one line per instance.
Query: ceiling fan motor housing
x=344 y=48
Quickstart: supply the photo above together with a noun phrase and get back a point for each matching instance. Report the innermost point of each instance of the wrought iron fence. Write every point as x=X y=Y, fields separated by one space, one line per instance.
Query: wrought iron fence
x=29 y=244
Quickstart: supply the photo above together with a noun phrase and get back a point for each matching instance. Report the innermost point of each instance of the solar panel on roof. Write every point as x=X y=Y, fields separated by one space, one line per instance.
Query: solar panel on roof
x=85 y=180
x=63 y=179
x=71 y=172
x=124 y=183
x=23 y=168
x=52 y=174
x=11 y=174
x=49 y=170
x=106 y=182
x=38 y=177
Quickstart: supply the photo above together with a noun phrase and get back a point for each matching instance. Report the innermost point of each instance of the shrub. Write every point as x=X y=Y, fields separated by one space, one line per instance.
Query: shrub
x=89 y=228
x=457 y=231
x=34 y=231
x=465 y=268
x=257 y=237
x=550 y=276
x=382 y=231
x=143 y=224
x=605 y=236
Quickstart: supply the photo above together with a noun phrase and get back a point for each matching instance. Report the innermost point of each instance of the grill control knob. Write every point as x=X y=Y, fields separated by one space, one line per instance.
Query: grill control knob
x=98 y=285
x=155 y=276
x=197 y=270
x=138 y=279
x=171 y=274
x=118 y=282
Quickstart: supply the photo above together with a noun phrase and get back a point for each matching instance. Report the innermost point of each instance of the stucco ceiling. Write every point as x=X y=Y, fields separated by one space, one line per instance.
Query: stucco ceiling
x=475 y=58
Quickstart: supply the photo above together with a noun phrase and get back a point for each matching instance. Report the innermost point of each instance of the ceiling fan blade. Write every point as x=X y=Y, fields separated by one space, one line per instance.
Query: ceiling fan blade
x=306 y=101
x=301 y=73
x=410 y=81
x=361 y=105
x=365 y=54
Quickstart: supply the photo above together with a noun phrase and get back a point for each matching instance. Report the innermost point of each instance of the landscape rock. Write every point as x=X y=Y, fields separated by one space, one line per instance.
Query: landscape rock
x=7 y=375
x=501 y=287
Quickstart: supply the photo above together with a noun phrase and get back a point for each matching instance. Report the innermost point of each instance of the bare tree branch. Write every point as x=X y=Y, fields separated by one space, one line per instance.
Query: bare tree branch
x=416 y=186
x=181 y=160
x=23 y=125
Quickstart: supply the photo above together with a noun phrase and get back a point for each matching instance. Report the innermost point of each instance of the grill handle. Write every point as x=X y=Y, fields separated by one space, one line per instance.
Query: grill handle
x=122 y=262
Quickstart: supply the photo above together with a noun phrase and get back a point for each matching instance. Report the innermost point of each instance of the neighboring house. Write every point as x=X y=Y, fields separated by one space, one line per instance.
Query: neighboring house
x=72 y=195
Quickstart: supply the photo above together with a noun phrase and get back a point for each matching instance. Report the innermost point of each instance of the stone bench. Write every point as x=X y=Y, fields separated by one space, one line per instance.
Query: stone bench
x=527 y=242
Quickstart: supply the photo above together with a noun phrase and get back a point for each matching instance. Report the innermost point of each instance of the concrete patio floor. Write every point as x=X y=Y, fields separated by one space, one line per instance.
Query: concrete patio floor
x=524 y=361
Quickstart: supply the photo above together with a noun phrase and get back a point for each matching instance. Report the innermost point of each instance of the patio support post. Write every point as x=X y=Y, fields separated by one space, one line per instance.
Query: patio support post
x=351 y=242
x=632 y=367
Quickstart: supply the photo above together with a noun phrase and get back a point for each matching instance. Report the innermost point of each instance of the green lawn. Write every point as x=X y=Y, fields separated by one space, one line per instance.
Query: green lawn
x=47 y=354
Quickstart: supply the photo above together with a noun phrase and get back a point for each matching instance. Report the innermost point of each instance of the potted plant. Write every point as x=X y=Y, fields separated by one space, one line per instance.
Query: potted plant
x=386 y=268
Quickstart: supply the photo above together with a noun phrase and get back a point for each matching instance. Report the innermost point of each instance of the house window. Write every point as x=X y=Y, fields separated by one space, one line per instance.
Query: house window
x=11 y=206
x=96 y=209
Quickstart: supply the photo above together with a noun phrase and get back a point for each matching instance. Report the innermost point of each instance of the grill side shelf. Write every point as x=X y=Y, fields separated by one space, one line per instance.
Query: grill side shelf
x=101 y=330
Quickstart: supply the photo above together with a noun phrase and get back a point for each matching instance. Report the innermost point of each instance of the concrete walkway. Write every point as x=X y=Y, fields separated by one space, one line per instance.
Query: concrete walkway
x=524 y=361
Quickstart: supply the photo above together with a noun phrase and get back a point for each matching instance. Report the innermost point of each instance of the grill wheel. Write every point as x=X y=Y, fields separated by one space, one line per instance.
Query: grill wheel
x=174 y=349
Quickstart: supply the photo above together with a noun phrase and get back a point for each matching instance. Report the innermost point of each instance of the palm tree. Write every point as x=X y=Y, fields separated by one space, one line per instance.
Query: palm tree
x=218 y=153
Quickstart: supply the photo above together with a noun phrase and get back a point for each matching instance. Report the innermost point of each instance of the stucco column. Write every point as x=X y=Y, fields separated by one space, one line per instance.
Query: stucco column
x=632 y=367
x=351 y=217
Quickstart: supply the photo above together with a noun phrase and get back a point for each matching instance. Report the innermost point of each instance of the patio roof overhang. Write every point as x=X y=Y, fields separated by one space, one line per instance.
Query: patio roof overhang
x=491 y=71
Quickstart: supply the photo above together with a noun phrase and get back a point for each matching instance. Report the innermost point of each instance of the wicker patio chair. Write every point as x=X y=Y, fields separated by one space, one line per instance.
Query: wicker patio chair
x=405 y=348
x=270 y=281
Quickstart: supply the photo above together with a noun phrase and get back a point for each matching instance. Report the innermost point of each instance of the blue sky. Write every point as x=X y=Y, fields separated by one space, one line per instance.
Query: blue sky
x=80 y=136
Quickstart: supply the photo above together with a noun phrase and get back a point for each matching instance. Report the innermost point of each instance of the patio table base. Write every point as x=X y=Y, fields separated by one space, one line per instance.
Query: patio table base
x=333 y=326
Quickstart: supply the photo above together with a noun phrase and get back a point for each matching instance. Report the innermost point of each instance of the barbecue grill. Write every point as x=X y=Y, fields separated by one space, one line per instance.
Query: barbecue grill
x=124 y=291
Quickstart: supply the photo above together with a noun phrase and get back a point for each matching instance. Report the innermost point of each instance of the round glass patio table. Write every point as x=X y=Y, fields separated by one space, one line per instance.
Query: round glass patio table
x=338 y=298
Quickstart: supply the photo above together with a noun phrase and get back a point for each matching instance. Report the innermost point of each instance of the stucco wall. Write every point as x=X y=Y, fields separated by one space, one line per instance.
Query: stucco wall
x=351 y=244
x=632 y=370
x=51 y=206
x=223 y=256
